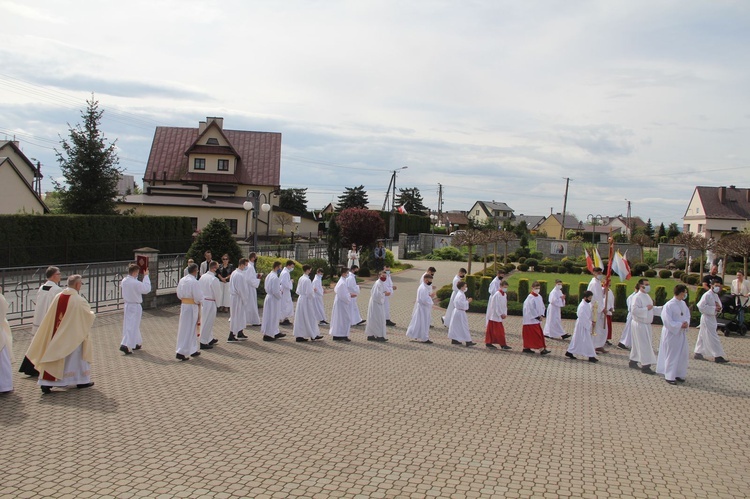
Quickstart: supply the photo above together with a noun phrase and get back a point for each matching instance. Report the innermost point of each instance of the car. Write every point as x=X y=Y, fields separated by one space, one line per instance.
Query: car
x=457 y=232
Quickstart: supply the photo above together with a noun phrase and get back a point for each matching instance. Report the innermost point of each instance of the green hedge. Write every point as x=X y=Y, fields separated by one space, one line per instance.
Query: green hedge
x=471 y=285
x=484 y=288
x=406 y=223
x=523 y=289
x=621 y=295
x=660 y=296
x=582 y=287
x=60 y=239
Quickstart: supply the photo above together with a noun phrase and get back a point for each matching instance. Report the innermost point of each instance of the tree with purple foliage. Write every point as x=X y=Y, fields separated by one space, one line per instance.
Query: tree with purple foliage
x=360 y=226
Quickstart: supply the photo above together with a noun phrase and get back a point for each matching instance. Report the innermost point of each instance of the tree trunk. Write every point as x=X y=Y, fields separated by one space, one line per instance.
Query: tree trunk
x=468 y=265
x=701 y=269
x=494 y=256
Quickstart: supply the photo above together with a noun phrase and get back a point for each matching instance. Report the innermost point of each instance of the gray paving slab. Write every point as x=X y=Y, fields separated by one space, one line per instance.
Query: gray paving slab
x=399 y=419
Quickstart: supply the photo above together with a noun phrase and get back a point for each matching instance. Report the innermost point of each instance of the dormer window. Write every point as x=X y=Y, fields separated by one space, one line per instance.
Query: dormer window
x=213 y=141
x=199 y=164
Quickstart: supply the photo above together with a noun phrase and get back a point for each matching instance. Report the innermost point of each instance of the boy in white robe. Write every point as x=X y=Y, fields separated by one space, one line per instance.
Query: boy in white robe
x=497 y=311
x=354 y=316
x=269 y=324
x=496 y=282
x=626 y=338
x=643 y=311
x=553 y=327
x=419 y=327
x=458 y=330
x=673 y=347
x=318 y=292
x=132 y=294
x=375 y=329
x=287 y=305
x=6 y=348
x=390 y=288
x=305 y=318
x=449 y=311
x=238 y=290
x=708 y=343
x=61 y=350
x=252 y=280
x=600 y=330
x=190 y=294
x=582 y=342
x=533 y=312
x=341 y=313
x=211 y=289
x=44 y=297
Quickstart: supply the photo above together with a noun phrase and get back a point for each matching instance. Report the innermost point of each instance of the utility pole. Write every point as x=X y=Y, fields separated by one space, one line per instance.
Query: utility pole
x=630 y=228
x=440 y=203
x=565 y=208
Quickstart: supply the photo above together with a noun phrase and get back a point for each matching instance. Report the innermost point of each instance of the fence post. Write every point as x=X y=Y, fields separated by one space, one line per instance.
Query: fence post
x=150 y=255
x=402 y=245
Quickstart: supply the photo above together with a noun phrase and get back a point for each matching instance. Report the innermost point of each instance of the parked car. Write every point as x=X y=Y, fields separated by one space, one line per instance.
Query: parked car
x=457 y=232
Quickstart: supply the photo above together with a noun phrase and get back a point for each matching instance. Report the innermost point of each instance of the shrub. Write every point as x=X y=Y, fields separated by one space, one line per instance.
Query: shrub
x=523 y=289
x=363 y=272
x=639 y=268
x=450 y=253
x=660 y=296
x=319 y=263
x=547 y=261
x=218 y=238
x=484 y=288
x=680 y=264
x=523 y=252
x=512 y=296
x=649 y=273
x=510 y=267
x=471 y=284
x=621 y=295
x=532 y=262
x=523 y=267
x=537 y=254
x=566 y=289
x=693 y=279
x=390 y=258
x=552 y=269
x=695 y=265
x=540 y=268
x=582 y=287
x=522 y=259
x=733 y=267
x=665 y=274
x=567 y=263
x=571 y=300
x=677 y=274
x=445 y=292
x=543 y=291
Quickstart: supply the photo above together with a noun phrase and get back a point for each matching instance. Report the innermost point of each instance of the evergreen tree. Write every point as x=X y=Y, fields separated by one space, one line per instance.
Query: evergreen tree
x=649 y=229
x=673 y=231
x=89 y=167
x=353 y=197
x=294 y=200
x=333 y=238
x=217 y=238
x=411 y=200
x=662 y=232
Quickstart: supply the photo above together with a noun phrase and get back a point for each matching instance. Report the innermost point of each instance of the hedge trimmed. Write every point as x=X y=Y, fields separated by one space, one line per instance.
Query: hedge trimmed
x=60 y=239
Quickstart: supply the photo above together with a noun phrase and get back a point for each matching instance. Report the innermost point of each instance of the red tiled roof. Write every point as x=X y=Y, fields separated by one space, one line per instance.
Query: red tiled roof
x=259 y=157
x=736 y=203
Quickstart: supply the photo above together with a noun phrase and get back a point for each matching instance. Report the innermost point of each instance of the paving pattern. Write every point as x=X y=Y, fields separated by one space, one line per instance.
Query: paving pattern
x=396 y=419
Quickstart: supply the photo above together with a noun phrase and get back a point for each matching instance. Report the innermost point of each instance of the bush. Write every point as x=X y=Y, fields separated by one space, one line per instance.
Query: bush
x=665 y=274
x=649 y=273
x=571 y=300
x=552 y=269
x=512 y=296
x=699 y=294
x=677 y=274
x=543 y=291
x=660 y=296
x=390 y=258
x=639 y=268
x=523 y=289
x=693 y=279
x=217 y=238
x=510 y=267
x=445 y=292
x=522 y=259
x=582 y=287
x=319 y=263
x=695 y=265
x=532 y=262
x=523 y=267
x=621 y=295
x=566 y=290
x=537 y=254
x=733 y=267
x=484 y=288
x=523 y=252
x=363 y=272
x=449 y=253
x=471 y=284
x=540 y=268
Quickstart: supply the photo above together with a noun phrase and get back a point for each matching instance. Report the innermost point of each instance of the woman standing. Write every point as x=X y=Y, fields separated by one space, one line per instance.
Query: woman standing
x=225 y=270
x=353 y=257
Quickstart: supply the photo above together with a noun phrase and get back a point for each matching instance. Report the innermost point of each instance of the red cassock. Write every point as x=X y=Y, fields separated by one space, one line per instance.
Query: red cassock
x=495 y=333
x=609 y=327
x=533 y=336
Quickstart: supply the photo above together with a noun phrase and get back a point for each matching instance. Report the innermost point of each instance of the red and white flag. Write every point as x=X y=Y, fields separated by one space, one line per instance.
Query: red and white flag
x=402 y=210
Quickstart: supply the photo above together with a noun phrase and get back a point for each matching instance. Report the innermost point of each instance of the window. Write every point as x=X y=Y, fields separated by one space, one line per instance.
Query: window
x=194 y=223
x=477 y=213
x=223 y=165
x=232 y=223
x=686 y=228
x=213 y=141
x=700 y=228
x=199 y=164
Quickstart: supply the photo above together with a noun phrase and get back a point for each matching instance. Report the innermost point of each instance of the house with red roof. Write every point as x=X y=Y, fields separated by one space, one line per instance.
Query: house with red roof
x=209 y=172
x=713 y=211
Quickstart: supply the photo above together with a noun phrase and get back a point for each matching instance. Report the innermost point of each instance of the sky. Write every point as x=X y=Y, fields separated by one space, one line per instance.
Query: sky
x=636 y=100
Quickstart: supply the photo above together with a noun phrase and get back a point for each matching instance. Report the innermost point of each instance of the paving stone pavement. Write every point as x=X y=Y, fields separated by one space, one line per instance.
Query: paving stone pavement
x=398 y=419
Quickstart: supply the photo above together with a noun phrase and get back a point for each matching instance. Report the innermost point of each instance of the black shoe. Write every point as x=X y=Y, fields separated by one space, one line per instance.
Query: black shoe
x=549 y=337
x=601 y=350
x=622 y=346
x=528 y=350
x=390 y=323
x=345 y=339
x=381 y=339
x=255 y=325
x=681 y=380
x=565 y=337
x=138 y=347
x=319 y=337
x=195 y=354
x=179 y=356
x=232 y=337
x=46 y=390
x=647 y=370
x=372 y=338
x=206 y=346
x=339 y=338
x=279 y=335
x=427 y=342
x=455 y=342
x=241 y=336
x=544 y=352
x=720 y=360
x=506 y=347
x=213 y=342
x=570 y=355
x=698 y=356
x=491 y=346
x=360 y=322
x=633 y=364
x=671 y=381
x=269 y=338
x=85 y=385
x=324 y=322
x=470 y=343
x=125 y=350
x=286 y=322
x=593 y=359
x=608 y=343
x=299 y=339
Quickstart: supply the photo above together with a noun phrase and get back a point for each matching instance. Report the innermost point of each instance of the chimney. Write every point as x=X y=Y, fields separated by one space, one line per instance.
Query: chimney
x=201 y=127
x=722 y=194
x=219 y=121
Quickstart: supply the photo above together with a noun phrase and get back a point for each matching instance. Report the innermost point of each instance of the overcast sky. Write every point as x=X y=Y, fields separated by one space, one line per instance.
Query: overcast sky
x=496 y=100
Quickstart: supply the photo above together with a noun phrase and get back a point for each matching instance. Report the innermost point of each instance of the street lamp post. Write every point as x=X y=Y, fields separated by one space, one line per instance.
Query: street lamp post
x=594 y=220
x=252 y=204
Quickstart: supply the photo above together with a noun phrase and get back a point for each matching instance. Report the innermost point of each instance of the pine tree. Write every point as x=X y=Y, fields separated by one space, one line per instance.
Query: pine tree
x=411 y=200
x=294 y=200
x=353 y=197
x=217 y=238
x=649 y=229
x=89 y=166
x=662 y=231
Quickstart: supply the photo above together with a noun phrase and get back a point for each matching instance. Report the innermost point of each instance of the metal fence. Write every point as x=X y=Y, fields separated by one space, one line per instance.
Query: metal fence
x=412 y=244
x=170 y=269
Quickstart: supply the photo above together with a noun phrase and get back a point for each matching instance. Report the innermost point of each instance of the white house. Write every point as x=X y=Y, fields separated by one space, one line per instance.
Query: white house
x=19 y=181
x=715 y=210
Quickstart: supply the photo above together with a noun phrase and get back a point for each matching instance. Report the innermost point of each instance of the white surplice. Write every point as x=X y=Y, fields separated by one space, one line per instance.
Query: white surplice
x=6 y=348
x=318 y=292
x=553 y=326
x=494 y=285
x=305 y=318
x=269 y=324
x=132 y=294
x=419 y=326
x=708 y=343
x=673 y=347
x=627 y=338
x=211 y=289
x=595 y=286
x=44 y=297
x=640 y=328
x=287 y=305
x=238 y=290
x=376 y=310
x=459 y=327
x=341 y=313
x=187 y=333
x=252 y=316
x=582 y=342
x=389 y=288
x=451 y=305
x=354 y=316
